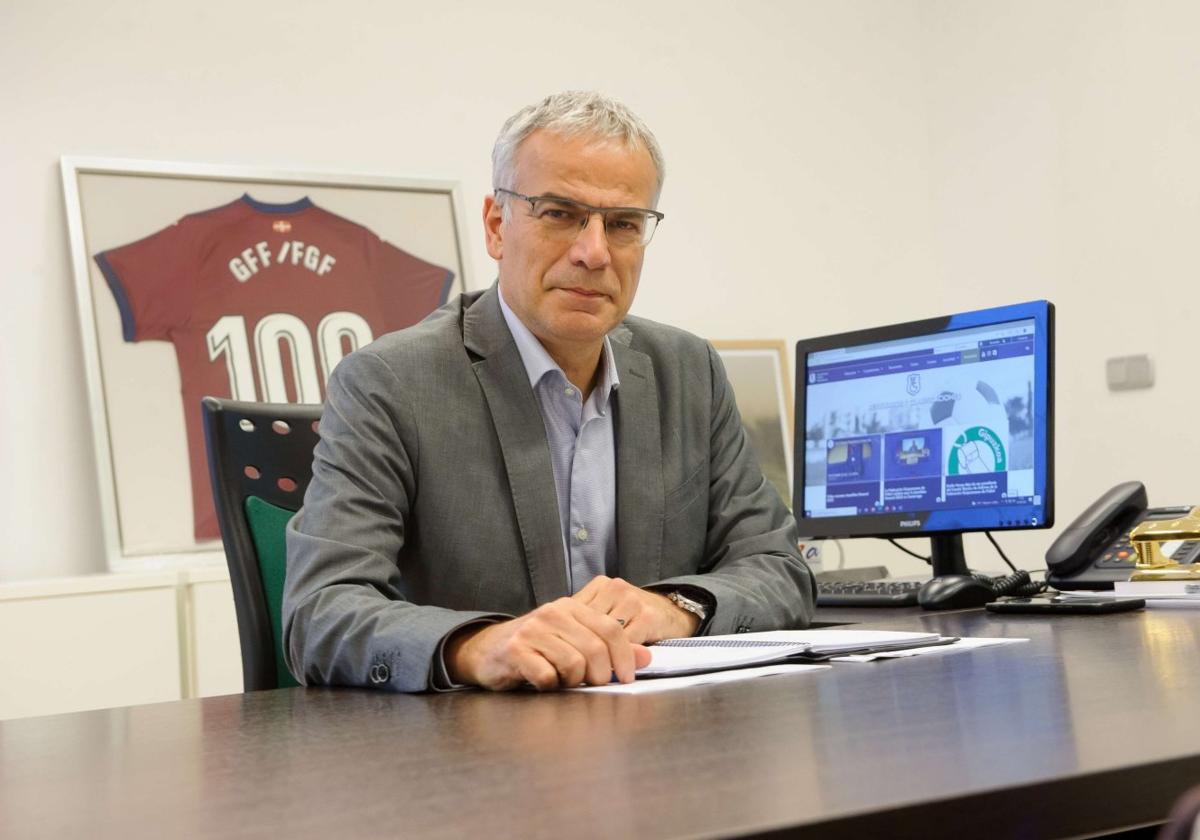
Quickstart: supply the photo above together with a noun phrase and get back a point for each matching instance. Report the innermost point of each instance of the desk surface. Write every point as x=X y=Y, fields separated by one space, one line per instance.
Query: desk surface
x=1089 y=727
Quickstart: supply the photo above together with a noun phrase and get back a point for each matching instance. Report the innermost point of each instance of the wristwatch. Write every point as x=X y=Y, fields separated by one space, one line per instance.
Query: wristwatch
x=685 y=603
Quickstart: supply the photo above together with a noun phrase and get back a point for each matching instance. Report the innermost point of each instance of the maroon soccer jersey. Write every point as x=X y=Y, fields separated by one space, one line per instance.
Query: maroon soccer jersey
x=261 y=302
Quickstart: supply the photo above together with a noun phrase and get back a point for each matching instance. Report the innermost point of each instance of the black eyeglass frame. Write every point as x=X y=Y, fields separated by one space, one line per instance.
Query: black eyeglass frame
x=603 y=211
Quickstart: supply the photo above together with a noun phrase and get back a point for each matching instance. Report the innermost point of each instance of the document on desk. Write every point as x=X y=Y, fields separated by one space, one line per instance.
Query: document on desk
x=677 y=657
x=836 y=646
x=669 y=683
x=1152 y=601
x=962 y=644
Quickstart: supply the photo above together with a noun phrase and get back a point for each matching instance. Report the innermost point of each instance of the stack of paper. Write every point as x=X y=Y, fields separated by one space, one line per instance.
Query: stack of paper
x=673 y=657
x=837 y=646
x=1158 y=589
x=1155 y=593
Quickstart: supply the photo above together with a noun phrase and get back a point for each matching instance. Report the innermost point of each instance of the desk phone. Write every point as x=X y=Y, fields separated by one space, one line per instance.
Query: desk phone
x=1094 y=551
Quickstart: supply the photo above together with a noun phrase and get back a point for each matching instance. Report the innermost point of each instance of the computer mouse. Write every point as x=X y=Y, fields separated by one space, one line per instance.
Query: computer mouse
x=949 y=592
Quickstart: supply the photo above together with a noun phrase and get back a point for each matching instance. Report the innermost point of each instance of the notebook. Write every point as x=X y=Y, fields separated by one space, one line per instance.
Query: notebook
x=674 y=657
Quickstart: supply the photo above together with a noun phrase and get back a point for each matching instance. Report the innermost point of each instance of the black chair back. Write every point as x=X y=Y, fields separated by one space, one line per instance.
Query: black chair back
x=260 y=463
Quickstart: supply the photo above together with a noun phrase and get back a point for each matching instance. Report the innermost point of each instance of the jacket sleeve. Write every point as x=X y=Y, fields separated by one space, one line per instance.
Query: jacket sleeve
x=752 y=571
x=345 y=618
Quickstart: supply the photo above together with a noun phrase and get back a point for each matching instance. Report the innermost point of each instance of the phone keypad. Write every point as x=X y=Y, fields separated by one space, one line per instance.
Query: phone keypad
x=1119 y=555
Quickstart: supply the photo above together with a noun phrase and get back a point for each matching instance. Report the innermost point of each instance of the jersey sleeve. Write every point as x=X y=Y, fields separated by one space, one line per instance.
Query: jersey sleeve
x=148 y=279
x=414 y=288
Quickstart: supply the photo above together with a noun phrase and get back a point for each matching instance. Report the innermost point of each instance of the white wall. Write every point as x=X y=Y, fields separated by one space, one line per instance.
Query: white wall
x=1064 y=137
x=830 y=165
x=771 y=114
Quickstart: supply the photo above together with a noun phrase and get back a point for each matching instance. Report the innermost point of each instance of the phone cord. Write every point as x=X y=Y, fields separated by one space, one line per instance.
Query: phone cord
x=1018 y=583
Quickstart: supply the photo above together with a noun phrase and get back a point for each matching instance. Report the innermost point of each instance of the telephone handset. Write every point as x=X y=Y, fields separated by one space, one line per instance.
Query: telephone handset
x=1094 y=551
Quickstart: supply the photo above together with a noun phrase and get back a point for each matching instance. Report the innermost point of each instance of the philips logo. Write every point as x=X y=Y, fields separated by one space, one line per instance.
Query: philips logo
x=909 y=523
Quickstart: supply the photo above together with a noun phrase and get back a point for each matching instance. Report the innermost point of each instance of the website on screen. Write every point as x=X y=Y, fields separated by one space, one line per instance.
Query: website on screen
x=935 y=422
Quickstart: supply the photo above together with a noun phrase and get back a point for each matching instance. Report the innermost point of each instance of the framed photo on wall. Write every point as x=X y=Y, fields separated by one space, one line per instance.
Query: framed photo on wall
x=235 y=282
x=758 y=372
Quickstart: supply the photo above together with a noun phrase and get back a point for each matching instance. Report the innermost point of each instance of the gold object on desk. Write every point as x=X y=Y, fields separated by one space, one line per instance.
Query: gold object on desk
x=1180 y=571
x=1150 y=537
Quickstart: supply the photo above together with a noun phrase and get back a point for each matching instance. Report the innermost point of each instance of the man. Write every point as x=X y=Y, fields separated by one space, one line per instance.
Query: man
x=529 y=486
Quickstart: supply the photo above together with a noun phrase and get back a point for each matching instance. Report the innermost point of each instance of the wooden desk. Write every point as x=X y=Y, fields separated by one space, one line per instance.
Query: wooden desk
x=1090 y=727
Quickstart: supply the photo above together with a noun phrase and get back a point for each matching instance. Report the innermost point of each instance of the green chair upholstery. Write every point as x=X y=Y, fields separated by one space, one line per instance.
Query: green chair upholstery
x=267 y=523
x=260 y=464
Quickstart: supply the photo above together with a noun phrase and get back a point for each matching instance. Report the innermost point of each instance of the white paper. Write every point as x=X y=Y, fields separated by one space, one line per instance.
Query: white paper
x=961 y=645
x=648 y=686
x=667 y=683
x=767 y=647
x=666 y=659
x=1151 y=600
x=823 y=639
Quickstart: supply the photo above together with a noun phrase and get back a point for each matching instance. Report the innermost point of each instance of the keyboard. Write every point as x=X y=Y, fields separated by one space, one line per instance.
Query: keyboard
x=868 y=593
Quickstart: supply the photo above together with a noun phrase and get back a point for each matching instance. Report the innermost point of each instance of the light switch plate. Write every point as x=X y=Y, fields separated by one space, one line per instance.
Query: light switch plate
x=1126 y=373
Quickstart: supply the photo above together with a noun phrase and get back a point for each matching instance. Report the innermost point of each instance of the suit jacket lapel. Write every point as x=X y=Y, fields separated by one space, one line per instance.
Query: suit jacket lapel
x=639 y=464
x=522 y=435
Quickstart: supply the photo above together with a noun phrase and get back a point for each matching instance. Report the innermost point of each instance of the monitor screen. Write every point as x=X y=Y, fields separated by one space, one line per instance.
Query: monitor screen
x=929 y=427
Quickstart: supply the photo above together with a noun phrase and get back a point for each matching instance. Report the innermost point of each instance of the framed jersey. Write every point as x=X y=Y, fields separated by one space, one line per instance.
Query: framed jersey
x=197 y=280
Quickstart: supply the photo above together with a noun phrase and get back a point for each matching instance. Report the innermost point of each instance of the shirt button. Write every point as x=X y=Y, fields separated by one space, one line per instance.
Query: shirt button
x=570 y=392
x=582 y=534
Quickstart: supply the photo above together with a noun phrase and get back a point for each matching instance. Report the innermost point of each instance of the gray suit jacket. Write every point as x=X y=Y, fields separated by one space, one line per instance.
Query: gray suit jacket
x=433 y=503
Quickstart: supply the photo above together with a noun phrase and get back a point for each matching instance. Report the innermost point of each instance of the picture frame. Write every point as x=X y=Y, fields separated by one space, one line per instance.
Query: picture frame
x=172 y=227
x=758 y=373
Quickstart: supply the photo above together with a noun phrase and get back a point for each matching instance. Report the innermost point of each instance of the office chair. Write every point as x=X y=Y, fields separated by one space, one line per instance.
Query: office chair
x=260 y=463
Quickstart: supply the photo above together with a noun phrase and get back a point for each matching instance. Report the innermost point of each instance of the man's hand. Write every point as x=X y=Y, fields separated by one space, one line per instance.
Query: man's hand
x=559 y=645
x=647 y=616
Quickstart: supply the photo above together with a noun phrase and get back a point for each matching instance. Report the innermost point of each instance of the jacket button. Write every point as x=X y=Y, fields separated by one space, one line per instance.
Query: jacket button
x=380 y=674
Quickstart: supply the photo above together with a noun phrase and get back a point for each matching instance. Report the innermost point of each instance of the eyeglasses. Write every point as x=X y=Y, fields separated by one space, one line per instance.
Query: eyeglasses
x=564 y=218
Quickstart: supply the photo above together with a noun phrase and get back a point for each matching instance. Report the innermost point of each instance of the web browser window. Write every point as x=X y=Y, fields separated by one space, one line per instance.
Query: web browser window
x=931 y=423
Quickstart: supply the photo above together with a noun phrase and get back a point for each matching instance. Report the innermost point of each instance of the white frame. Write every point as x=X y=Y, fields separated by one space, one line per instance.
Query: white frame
x=774 y=352
x=73 y=167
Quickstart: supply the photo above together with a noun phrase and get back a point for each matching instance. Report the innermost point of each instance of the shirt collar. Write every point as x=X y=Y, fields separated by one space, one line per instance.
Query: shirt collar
x=538 y=362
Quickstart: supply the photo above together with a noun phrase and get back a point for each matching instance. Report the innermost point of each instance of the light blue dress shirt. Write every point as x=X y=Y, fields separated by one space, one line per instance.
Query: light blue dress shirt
x=582 y=453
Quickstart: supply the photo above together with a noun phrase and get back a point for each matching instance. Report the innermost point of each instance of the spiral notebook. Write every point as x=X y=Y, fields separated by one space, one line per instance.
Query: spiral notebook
x=676 y=657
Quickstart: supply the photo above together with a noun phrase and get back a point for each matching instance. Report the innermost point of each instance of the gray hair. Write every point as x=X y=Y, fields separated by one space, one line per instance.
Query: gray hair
x=573 y=113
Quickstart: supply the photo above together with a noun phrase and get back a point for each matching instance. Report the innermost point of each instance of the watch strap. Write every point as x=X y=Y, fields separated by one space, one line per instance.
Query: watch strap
x=685 y=603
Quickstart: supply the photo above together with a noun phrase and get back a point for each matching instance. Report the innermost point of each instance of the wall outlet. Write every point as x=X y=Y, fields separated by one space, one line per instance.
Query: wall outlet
x=1126 y=373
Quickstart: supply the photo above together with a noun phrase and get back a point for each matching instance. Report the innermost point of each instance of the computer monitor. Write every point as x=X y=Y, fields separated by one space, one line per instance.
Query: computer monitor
x=930 y=428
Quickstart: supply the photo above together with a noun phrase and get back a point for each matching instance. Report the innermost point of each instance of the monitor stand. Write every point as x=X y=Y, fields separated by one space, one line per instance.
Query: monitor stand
x=952 y=586
x=947 y=555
